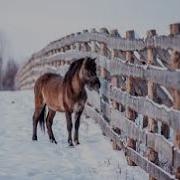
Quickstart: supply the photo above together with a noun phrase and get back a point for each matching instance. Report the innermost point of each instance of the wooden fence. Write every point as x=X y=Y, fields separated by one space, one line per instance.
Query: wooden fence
x=138 y=106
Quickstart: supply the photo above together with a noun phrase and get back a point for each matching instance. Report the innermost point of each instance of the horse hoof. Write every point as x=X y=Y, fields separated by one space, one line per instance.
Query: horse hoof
x=76 y=142
x=34 y=138
x=71 y=144
x=53 y=141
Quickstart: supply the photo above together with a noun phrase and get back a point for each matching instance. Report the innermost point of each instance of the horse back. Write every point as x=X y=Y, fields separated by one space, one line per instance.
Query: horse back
x=48 y=80
x=49 y=87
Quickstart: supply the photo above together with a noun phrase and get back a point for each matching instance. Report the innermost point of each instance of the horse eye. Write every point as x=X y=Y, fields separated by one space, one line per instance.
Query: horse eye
x=90 y=73
x=93 y=73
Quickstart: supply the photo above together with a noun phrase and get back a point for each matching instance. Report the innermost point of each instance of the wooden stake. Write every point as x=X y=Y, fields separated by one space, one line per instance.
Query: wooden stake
x=130 y=114
x=175 y=64
x=152 y=124
x=115 y=105
x=114 y=79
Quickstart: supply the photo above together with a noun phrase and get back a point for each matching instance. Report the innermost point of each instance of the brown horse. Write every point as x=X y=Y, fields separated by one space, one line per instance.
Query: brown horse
x=66 y=94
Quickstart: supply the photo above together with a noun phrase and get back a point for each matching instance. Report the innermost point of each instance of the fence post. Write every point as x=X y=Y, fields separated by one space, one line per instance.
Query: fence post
x=152 y=123
x=103 y=75
x=77 y=44
x=114 y=79
x=103 y=52
x=115 y=83
x=62 y=49
x=175 y=64
x=85 y=45
x=103 y=47
x=130 y=114
x=72 y=46
x=103 y=71
x=94 y=46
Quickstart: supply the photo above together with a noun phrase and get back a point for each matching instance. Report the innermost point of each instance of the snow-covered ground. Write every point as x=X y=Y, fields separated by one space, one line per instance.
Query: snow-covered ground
x=22 y=159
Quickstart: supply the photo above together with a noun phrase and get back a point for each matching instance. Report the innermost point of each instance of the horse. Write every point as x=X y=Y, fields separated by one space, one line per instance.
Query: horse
x=64 y=94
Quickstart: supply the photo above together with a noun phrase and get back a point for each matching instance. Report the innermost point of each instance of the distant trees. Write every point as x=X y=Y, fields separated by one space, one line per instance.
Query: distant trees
x=2 y=47
x=8 y=71
x=1 y=61
x=9 y=75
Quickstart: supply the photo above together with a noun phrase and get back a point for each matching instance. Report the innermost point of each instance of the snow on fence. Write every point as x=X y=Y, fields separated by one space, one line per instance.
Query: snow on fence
x=138 y=106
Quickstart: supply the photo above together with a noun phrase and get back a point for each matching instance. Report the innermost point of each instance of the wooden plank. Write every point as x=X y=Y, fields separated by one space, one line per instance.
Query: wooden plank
x=147 y=107
x=158 y=142
x=164 y=56
x=128 y=127
x=164 y=42
x=143 y=105
x=160 y=145
x=162 y=76
x=148 y=166
x=112 y=42
x=175 y=64
x=176 y=158
x=68 y=57
x=158 y=75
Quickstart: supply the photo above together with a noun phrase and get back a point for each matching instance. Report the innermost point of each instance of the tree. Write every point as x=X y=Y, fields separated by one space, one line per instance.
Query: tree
x=2 y=50
x=9 y=75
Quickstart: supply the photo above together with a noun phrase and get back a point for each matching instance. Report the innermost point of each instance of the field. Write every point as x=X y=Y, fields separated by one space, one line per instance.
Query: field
x=20 y=158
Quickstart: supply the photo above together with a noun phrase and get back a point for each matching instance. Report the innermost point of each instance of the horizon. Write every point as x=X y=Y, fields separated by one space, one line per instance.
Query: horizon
x=28 y=26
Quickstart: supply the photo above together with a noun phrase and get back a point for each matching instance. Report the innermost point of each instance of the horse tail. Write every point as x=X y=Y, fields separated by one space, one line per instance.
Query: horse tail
x=42 y=118
x=40 y=106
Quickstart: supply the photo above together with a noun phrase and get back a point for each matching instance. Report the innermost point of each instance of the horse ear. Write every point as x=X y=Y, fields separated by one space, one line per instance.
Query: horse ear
x=91 y=59
x=84 y=62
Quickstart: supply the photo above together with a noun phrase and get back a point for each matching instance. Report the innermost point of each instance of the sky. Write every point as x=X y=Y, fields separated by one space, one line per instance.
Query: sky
x=29 y=25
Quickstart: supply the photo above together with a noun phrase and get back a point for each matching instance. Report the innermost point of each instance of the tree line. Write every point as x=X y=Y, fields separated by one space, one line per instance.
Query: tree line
x=8 y=67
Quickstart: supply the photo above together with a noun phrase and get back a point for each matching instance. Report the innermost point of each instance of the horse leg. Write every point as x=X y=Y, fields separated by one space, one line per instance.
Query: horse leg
x=49 y=123
x=35 y=122
x=69 y=127
x=38 y=100
x=77 y=124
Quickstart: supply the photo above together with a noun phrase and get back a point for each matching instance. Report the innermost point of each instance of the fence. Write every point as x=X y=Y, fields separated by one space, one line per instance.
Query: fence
x=138 y=106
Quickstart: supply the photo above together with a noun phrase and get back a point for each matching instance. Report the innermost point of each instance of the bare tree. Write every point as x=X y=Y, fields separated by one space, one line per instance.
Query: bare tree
x=9 y=75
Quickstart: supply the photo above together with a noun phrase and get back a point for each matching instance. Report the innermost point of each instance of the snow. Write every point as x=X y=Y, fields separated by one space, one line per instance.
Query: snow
x=20 y=158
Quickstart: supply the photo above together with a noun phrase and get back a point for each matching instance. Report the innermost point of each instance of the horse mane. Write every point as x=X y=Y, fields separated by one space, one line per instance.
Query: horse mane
x=74 y=67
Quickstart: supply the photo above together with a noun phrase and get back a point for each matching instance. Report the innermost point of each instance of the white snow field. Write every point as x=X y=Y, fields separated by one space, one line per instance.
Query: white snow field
x=21 y=159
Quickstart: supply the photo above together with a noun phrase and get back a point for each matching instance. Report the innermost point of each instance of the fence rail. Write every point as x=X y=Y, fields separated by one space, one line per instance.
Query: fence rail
x=138 y=106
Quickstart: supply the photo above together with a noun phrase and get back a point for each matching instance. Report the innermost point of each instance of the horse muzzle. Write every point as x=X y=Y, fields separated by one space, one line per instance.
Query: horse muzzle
x=94 y=84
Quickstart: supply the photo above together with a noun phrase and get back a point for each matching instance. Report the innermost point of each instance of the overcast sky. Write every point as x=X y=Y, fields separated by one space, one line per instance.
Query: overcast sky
x=30 y=24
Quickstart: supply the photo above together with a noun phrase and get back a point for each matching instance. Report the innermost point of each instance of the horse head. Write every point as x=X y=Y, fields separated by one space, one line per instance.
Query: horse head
x=89 y=74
